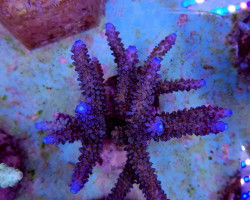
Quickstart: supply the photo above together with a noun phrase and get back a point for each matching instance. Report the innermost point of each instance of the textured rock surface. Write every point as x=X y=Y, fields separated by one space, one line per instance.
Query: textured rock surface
x=239 y=40
x=37 y=23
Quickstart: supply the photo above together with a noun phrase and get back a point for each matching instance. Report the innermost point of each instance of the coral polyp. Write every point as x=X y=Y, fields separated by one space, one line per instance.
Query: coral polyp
x=125 y=108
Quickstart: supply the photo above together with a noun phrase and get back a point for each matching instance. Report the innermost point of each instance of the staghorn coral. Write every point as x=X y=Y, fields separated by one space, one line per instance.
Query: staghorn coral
x=126 y=109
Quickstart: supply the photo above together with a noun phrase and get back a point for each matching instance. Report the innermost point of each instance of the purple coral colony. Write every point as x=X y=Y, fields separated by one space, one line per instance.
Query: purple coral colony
x=125 y=108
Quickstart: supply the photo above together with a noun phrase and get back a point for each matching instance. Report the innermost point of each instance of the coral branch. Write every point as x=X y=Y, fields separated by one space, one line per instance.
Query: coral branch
x=115 y=44
x=125 y=80
x=89 y=155
x=147 y=179
x=200 y=121
x=124 y=183
x=62 y=129
x=163 y=47
x=90 y=76
x=178 y=85
x=144 y=89
x=99 y=88
x=160 y=50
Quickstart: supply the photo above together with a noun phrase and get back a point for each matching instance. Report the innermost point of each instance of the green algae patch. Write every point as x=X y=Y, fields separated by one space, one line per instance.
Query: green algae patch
x=4 y=97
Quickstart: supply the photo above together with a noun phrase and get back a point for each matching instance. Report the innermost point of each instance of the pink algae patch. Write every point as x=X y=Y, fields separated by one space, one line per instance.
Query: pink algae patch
x=102 y=35
x=112 y=157
x=105 y=68
x=191 y=40
x=232 y=135
x=212 y=195
x=189 y=54
x=33 y=117
x=239 y=90
x=63 y=60
x=170 y=98
x=11 y=67
x=70 y=81
x=198 y=158
x=121 y=13
x=192 y=34
x=101 y=182
x=182 y=20
x=177 y=162
x=225 y=149
x=186 y=140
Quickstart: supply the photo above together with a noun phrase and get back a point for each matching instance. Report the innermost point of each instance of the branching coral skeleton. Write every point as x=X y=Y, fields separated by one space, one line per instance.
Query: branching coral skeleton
x=129 y=104
x=9 y=176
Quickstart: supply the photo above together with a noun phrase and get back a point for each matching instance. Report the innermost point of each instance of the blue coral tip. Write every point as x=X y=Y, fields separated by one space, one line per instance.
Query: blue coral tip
x=229 y=112
x=174 y=35
x=244 y=196
x=157 y=60
x=226 y=126
x=109 y=25
x=47 y=140
x=221 y=126
x=81 y=108
x=203 y=82
x=39 y=126
x=78 y=42
x=132 y=48
x=74 y=189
